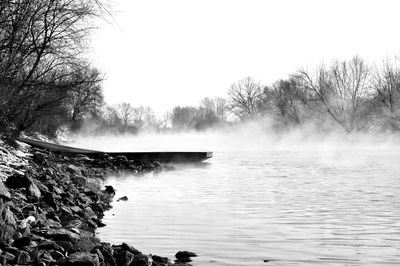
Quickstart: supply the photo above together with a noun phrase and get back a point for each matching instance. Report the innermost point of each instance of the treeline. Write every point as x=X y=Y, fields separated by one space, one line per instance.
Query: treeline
x=351 y=95
x=125 y=118
x=45 y=80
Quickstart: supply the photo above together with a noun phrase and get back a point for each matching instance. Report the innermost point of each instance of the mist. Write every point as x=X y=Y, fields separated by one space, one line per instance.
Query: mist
x=252 y=135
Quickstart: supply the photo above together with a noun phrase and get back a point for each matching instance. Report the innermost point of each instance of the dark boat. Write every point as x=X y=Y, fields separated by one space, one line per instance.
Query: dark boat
x=164 y=157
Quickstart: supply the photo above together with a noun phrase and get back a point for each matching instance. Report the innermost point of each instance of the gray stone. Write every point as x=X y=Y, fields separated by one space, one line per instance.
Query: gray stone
x=6 y=233
x=82 y=259
x=86 y=244
x=4 y=191
x=184 y=254
x=62 y=234
x=80 y=180
x=124 y=198
x=23 y=257
x=75 y=170
x=34 y=191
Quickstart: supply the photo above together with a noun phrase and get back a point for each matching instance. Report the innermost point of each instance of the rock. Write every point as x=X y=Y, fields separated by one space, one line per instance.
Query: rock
x=6 y=215
x=23 y=257
x=25 y=222
x=99 y=254
x=66 y=245
x=124 y=198
x=34 y=191
x=55 y=254
x=82 y=158
x=4 y=193
x=92 y=185
x=86 y=244
x=48 y=245
x=129 y=248
x=110 y=190
x=89 y=213
x=123 y=257
x=39 y=158
x=121 y=158
x=141 y=260
x=6 y=256
x=161 y=260
x=18 y=181
x=50 y=223
x=62 y=234
x=50 y=199
x=82 y=259
x=76 y=209
x=80 y=180
x=75 y=170
x=106 y=251
x=22 y=242
x=184 y=254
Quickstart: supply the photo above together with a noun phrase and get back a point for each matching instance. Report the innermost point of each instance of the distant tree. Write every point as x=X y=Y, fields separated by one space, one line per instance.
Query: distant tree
x=341 y=89
x=183 y=117
x=86 y=98
x=245 y=98
x=144 y=117
x=126 y=113
x=386 y=93
x=212 y=111
x=288 y=99
x=221 y=108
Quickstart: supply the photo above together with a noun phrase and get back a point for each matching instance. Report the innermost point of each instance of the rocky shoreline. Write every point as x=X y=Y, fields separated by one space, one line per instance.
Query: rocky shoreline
x=51 y=206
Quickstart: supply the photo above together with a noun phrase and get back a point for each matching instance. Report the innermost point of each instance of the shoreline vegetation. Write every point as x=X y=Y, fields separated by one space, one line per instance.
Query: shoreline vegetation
x=51 y=205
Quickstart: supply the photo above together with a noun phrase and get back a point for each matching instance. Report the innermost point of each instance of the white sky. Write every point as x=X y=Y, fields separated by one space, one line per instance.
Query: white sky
x=161 y=53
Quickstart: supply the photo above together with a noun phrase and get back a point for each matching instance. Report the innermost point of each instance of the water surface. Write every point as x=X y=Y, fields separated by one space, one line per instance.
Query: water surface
x=321 y=203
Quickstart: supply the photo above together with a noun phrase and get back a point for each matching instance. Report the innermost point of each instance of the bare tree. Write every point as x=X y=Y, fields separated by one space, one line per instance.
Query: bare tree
x=143 y=117
x=386 y=91
x=245 y=98
x=341 y=89
x=126 y=112
x=289 y=100
x=183 y=117
x=86 y=97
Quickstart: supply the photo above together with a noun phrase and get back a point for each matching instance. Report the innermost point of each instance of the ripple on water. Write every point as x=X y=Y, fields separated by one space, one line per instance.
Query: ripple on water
x=286 y=208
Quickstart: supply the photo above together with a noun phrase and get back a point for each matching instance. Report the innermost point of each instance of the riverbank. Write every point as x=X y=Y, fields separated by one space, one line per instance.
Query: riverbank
x=51 y=206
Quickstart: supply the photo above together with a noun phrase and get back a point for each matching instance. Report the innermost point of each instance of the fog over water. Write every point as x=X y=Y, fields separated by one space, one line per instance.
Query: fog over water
x=297 y=198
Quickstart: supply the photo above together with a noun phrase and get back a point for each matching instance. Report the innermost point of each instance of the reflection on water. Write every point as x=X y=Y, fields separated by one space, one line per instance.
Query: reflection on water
x=286 y=206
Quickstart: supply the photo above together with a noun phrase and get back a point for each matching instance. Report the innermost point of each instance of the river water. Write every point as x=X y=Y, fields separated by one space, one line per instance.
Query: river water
x=288 y=201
